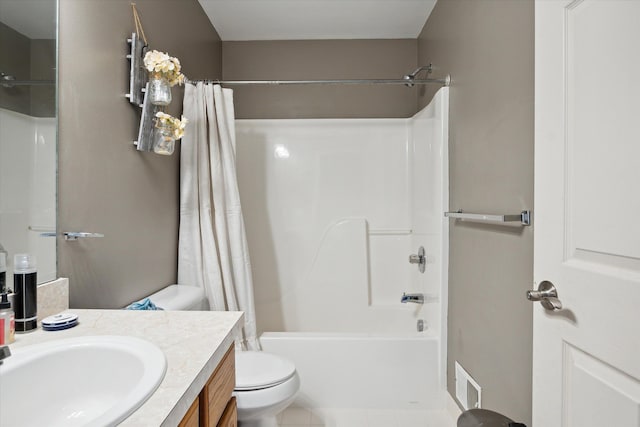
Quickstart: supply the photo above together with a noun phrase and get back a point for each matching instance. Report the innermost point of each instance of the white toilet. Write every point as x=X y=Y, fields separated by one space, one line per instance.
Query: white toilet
x=176 y=297
x=265 y=383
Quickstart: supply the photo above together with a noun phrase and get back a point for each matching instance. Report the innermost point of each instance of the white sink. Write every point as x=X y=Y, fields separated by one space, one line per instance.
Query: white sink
x=84 y=381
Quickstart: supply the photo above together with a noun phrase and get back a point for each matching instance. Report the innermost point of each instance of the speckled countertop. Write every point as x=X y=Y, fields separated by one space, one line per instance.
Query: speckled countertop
x=193 y=342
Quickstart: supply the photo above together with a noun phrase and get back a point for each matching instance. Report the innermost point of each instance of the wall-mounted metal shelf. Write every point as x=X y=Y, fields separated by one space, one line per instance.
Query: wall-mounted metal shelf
x=524 y=217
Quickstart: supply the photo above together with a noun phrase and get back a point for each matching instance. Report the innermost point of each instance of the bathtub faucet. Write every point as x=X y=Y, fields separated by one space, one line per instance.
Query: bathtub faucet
x=414 y=298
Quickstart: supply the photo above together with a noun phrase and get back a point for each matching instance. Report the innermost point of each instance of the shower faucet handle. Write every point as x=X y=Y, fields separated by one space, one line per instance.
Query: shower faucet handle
x=419 y=259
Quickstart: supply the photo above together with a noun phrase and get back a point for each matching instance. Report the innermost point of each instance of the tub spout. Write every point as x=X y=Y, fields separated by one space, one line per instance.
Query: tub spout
x=414 y=298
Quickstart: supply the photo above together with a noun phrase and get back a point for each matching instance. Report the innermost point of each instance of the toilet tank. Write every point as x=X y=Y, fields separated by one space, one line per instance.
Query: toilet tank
x=180 y=297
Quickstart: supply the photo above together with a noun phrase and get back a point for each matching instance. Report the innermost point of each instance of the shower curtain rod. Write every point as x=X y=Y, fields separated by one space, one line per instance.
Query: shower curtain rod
x=407 y=82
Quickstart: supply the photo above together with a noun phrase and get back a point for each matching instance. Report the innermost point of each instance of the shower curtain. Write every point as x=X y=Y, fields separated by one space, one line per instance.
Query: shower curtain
x=212 y=248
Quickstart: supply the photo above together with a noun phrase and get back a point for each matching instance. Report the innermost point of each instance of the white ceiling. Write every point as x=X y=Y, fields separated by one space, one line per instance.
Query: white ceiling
x=317 y=19
x=35 y=19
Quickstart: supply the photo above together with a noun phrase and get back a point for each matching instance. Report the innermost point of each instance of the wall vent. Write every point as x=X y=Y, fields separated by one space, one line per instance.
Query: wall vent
x=468 y=391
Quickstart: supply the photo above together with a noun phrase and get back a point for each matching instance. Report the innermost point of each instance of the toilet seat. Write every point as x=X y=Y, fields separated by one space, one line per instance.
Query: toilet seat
x=267 y=402
x=256 y=370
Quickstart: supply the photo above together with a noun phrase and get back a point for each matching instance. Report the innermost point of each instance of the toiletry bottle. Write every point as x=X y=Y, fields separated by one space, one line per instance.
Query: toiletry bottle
x=25 y=286
x=7 y=321
x=3 y=272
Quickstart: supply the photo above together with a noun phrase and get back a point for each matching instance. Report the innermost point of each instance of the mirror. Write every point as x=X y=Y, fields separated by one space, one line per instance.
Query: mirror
x=28 y=133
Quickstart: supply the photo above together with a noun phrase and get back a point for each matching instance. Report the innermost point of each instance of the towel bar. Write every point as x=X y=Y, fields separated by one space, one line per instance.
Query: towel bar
x=524 y=217
x=75 y=235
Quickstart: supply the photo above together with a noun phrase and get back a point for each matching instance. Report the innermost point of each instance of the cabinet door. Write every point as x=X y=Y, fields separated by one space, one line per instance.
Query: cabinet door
x=192 y=417
x=230 y=415
x=216 y=394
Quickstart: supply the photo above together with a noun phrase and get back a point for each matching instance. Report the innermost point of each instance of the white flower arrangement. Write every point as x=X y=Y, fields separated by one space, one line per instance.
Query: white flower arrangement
x=165 y=66
x=173 y=124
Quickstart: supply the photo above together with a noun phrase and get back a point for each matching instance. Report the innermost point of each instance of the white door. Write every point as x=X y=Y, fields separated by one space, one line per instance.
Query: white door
x=586 y=361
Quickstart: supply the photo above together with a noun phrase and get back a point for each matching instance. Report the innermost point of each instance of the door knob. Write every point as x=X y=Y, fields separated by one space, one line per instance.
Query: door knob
x=547 y=295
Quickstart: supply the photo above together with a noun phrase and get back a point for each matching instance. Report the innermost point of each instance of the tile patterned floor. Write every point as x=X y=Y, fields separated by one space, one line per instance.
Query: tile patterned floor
x=302 y=417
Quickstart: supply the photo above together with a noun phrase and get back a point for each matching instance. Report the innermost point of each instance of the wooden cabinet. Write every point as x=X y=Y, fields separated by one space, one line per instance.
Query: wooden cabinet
x=217 y=393
x=215 y=407
x=192 y=418
x=230 y=415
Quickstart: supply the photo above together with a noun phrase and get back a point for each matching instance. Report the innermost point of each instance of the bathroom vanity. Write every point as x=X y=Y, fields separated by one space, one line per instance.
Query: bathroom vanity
x=199 y=349
x=214 y=406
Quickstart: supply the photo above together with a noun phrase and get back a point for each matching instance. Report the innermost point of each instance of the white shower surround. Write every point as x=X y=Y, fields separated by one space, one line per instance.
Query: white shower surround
x=28 y=190
x=333 y=208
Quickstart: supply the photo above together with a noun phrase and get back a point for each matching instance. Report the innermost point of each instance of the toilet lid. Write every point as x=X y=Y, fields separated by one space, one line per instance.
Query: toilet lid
x=257 y=369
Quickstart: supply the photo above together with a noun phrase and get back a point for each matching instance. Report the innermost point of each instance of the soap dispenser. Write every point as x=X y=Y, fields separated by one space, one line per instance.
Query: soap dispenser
x=25 y=286
x=7 y=321
x=3 y=271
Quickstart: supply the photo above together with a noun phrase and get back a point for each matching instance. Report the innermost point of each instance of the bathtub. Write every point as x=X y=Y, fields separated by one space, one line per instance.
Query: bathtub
x=346 y=370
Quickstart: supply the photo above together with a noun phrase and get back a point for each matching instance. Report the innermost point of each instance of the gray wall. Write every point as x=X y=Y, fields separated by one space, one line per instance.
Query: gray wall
x=320 y=59
x=487 y=46
x=43 y=67
x=15 y=59
x=105 y=185
x=27 y=59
